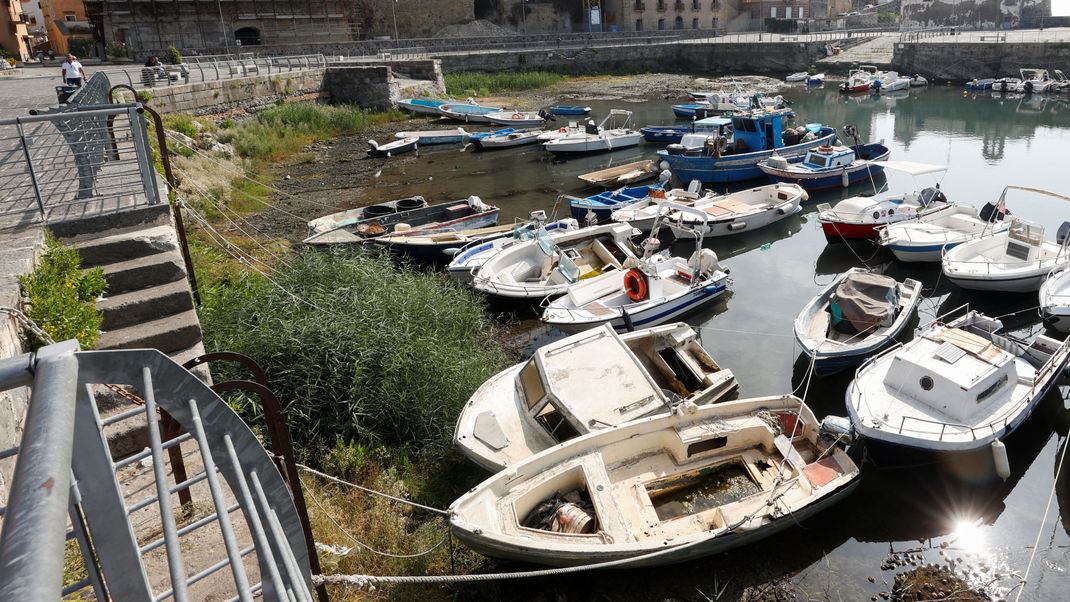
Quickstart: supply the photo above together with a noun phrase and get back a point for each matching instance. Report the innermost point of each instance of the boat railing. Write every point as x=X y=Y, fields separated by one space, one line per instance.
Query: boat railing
x=991 y=266
x=991 y=427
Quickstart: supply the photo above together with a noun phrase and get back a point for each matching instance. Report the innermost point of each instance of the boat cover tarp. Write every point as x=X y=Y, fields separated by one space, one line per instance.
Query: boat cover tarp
x=866 y=300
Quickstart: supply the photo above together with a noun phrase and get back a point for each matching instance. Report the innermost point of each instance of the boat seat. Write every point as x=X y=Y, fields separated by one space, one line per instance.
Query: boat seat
x=961 y=222
x=603 y=253
x=819 y=326
x=587 y=291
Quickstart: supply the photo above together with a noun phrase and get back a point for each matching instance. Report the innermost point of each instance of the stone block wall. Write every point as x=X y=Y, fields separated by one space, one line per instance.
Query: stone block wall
x=369 y=87
x=965 y=61
x=218 y=96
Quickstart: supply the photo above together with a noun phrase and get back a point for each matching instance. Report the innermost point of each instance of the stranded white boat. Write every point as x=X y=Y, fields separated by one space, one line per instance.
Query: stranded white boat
x=612 y=134
x=516 y=118
x=658 y=288
x=1055 y=300
x=471 y=257
x=563 y=392
x=958 y=386
x=519 y=138
x=854 y=317
x=551 y=262
x=925 y=238
x=741 y=211
x=670 y=488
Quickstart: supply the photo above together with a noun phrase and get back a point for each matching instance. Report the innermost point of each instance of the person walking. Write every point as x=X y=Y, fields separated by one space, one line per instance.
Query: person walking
x=73 y=73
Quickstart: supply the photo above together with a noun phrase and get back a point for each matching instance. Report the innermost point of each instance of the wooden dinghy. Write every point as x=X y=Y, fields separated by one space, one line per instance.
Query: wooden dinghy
x=690 y=483
x=622 y=175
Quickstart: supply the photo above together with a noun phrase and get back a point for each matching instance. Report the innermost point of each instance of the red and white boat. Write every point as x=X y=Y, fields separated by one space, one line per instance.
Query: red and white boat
x=858 y=218
x=859 y=80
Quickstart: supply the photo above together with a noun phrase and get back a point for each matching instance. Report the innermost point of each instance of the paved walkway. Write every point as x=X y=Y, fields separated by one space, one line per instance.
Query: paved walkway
x=26 y=89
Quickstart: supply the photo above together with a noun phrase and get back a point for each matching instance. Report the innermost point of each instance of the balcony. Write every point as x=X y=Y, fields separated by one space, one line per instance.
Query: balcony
x=679 y=5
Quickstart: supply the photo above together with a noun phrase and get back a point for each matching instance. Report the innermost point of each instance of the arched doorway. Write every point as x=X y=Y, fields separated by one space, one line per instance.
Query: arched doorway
x=247 y=36
x=679 y=24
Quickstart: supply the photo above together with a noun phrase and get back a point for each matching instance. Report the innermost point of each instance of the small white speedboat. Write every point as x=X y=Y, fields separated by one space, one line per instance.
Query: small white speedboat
x=612 y=134
x=516 y=118
x=956 y=387
x=889 y=81
x=742 y=211
x=857 y=315
x=1016 y=260
x=800 y=76
x=659 y=287
x=470 y=258
x=917 y=81
x=926 y=237
x=558 y=394
x=1055 y=300
x=815 y=80
x=550 y=262
x=390 y=149
x=519 y=138
x=694 y=482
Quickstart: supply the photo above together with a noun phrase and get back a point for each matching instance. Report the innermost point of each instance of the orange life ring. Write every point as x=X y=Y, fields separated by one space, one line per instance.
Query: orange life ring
x=635 y=285
x=563 y=130
x=824 y=148
x=516 y=115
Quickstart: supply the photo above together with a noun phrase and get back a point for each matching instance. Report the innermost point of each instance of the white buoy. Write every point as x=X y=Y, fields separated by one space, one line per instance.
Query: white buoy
x=999 y=454
x=846 y=180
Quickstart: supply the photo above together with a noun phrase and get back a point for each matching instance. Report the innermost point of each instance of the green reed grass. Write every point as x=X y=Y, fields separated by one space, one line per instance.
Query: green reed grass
x=459 y=84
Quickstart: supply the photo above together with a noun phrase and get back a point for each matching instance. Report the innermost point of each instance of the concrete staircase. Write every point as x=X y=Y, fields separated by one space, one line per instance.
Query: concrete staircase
x=148 y=303
x=876 y=51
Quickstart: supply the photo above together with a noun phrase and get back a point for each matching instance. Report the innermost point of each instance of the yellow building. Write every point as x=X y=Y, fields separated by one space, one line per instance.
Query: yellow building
x=67 y=26
x=14 y=38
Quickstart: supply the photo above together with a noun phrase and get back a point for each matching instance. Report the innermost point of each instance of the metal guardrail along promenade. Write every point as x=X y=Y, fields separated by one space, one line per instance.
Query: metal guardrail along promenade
x=216 y=68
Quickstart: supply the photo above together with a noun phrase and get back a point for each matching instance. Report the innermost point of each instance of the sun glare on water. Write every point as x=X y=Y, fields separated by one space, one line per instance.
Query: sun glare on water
x=968 y=535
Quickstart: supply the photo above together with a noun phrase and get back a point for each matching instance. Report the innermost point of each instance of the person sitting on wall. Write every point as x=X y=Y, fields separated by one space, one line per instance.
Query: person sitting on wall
x=154 y=67
x=72 y=71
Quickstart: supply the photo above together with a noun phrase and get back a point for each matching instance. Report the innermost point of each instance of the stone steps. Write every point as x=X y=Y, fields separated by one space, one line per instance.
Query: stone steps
x=126 y=244
x=169 y=334
x=143 y=272
x=135 y=307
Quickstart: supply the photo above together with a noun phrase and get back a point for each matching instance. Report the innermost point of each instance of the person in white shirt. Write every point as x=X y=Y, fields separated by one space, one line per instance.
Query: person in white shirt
x=72 y=71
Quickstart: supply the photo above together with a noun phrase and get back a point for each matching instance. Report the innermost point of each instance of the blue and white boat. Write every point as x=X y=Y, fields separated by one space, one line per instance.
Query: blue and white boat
x=926 y=237
x=422 y=106
x=977 y=85
x=432 y=137
x=603 y=204
x=659 y=289
x=815 y=80
x=469 y=112
x=854 y=317
x=569 y=110
x=756 y=135
x=828 y=166
x=689 y=110
x=664 y=134
x=468 y=259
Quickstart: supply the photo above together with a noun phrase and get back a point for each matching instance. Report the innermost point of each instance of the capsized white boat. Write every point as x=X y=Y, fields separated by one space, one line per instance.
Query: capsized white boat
x=694 y=482
x=857 y=315
x=741 y=211
x=656 y=289
x=551 y=262
x=958 y=386
x=926 y=237
x=1016 y=260
x=561 y=392
x=1055 y=300
x=470 y=258
x=612 y=134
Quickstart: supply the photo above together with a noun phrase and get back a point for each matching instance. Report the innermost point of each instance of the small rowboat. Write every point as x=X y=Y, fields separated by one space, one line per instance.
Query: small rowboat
x=390 y=149
x=349 y=216
x=676 y=486
x=422 y=106
x=444 y=217
x=467 y=111
x=664 y=134
x=516 y=118
x=741 y=211
x=569 y=110
x=509 y=140
x=622 y=175
x=857 y=315
x=599 y=207
x=431 y=137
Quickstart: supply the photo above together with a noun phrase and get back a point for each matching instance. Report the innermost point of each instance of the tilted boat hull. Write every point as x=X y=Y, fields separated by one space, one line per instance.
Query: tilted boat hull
x=652 y=315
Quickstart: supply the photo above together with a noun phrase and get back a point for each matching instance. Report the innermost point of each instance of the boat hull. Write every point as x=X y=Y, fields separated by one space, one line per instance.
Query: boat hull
x=841 y=231
x=736 y=168
x=592 y=145
x=651 y=314
x=1026 y=283
x=663 y=135
x=391 y=149
x=567 y=111
x=436 y=252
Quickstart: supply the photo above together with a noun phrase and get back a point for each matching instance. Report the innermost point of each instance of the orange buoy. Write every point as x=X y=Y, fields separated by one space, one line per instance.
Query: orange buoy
x=635 y=285
x=824 y=148
x=516 y=115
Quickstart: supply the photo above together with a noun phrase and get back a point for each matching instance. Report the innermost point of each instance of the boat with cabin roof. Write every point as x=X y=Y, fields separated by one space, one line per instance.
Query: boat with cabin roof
x=955 y=387
x=612 y=134
x=828 y=166
x=555 y=395
x=855 y=316
x=755 y=135
x=697 y=481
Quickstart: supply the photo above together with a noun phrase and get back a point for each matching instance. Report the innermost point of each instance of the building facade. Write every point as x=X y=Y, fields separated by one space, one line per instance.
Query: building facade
x=654 y=15
x=67 y=27
x=14 y=37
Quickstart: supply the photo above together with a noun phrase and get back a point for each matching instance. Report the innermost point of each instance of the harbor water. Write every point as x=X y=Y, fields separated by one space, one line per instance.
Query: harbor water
x=903 y=514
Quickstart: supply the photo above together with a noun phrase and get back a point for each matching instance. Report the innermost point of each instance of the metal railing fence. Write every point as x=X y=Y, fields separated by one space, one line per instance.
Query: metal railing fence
x=217 y=68
x=52 y=163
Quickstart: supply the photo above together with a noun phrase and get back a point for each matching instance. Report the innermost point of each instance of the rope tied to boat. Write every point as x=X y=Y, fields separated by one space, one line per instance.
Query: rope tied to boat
x=399 y=500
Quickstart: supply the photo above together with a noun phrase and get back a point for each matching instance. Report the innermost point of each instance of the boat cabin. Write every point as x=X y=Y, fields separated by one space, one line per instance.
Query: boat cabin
x=1024 y=240
x=827 y=157
x=599 y=379
x=758 y=130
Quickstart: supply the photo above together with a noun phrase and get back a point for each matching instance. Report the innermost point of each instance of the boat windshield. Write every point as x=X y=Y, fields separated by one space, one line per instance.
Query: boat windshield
x=818 y=160
x=531 y=384
x=545 y=243
x=522 y=233
x=569 y=269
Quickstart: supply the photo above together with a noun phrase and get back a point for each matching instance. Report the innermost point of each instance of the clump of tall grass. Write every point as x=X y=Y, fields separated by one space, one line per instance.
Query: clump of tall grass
x=62 y=298
x=285 y=129
x=379 y=353
x=459 y=84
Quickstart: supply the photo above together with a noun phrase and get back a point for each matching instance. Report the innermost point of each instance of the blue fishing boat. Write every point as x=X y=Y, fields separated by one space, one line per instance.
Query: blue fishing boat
x=604 y=203
x=423 y=106
x=477 y=136
x=664 y=134
x=828 y=166
x=980 y=84
x=690 y=109
x=467 y=111
x=569 y=110
x=755 y=136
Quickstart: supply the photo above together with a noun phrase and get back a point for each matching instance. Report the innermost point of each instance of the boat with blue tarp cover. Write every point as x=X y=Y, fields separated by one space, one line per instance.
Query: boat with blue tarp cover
x=603 y=204
x=664 y=134
x=755 y=135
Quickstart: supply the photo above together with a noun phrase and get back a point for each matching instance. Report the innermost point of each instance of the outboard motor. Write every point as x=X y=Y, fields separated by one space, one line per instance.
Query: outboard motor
x=1064 y=231
x=932 y=195
x=991 y=213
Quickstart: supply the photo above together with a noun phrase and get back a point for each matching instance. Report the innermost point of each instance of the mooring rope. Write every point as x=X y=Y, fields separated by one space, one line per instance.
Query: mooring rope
x=400 y=500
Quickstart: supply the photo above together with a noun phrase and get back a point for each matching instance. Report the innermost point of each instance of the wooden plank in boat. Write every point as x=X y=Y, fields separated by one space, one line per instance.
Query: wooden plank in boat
x=980 y=347
x=727 y=206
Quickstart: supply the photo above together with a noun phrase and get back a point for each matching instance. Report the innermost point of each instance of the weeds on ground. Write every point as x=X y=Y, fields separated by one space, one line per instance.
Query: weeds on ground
x=485 y=84
x=62 y=298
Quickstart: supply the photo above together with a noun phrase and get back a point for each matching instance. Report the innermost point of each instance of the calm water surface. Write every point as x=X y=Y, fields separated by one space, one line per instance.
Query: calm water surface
x=986 y=532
